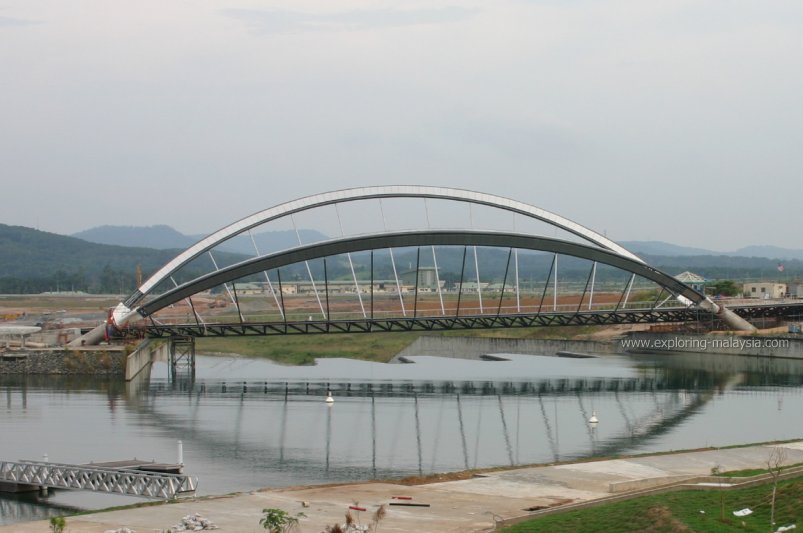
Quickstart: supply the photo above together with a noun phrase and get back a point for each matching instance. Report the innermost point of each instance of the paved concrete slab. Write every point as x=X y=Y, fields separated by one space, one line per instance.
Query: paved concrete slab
x=455 y=506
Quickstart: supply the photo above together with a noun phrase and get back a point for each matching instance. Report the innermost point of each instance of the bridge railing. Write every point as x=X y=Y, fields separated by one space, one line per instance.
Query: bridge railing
x=450 y=308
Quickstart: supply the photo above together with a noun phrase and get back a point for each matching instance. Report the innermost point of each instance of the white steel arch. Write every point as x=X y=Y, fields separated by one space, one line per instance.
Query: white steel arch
x=128 y=309
x=366 y=193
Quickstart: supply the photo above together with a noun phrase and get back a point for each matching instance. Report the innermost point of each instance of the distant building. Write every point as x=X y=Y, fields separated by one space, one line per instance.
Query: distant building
x=695 y=281
x=248 y=289
x=764 y=290
x=470 y=286
x=428 y=279
x=795 y=289
x=343 y=287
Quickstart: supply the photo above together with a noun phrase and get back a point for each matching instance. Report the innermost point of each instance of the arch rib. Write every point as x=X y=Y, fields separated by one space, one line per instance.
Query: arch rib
x=365 y=193
x=419 y=238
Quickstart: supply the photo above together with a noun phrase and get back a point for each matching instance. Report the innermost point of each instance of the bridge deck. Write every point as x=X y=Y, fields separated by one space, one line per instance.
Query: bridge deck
x=97 y=478
x=486 y=321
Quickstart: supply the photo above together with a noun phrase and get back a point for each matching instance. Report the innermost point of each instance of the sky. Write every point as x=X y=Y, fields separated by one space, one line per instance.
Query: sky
x=674 y=120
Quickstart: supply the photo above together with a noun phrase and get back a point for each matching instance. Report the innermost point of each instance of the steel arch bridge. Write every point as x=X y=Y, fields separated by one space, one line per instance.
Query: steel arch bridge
x=335 y=283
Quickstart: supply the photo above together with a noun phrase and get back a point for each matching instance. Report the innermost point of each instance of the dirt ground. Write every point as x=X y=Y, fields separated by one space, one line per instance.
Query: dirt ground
x=471 y=504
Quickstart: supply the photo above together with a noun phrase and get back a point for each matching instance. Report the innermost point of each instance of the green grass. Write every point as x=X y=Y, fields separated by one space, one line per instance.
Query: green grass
x=378 y=347
x=680 y=512
x=749 y=472
x=304 y=349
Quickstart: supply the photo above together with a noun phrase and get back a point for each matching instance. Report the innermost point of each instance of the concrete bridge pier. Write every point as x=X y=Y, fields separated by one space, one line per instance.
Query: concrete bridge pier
x=726 y=315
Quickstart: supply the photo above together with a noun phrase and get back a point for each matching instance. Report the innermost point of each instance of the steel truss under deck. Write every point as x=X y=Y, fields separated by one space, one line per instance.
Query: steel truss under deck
x=445 y=323
x=438 y=323
x=98 y=479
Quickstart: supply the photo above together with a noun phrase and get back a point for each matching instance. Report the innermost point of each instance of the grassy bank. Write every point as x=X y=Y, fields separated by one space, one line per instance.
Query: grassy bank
x=304 y=349
x=378 y=347
x=685 y=511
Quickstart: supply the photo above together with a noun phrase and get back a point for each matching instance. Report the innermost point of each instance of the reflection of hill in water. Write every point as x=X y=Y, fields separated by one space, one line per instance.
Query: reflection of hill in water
x=15 y=508
x=757 y=371
x=102 y=384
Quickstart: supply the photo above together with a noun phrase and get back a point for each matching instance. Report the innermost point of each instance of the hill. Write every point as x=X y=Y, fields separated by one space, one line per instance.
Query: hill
x=663 y=248
x=773 y=252
x=163 y=237
x=35 y=261
x=159 y=237
x=666 y=249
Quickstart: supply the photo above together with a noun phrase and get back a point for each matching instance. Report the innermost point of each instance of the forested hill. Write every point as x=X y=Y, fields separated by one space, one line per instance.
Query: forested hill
x=734 y=267
x=166 y=238
x=33 y=261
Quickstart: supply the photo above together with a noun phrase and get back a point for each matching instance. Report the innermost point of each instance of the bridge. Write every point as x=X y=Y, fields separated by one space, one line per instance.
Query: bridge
x=410 y=258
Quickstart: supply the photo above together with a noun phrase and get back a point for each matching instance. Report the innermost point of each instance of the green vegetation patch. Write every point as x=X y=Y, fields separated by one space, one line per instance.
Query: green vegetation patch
x=379 y=347
x=304 y=349
x=749 y=472
x=683 y=511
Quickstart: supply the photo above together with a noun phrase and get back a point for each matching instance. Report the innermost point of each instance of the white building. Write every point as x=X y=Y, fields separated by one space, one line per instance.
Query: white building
x=470 y=286
x=695 y=281
x=428 y=279
x=764 y=290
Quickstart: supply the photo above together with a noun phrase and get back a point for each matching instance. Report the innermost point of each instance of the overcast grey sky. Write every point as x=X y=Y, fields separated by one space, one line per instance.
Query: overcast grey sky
x=668 y=120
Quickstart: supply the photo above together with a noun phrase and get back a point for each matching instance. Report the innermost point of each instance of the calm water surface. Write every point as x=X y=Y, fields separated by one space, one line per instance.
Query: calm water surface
x=248 y=423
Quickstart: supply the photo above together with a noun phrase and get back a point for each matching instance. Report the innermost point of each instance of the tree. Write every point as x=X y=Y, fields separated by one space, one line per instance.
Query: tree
x=725 y=287
x=775 y=464
x=57 y=524
x=279 y=521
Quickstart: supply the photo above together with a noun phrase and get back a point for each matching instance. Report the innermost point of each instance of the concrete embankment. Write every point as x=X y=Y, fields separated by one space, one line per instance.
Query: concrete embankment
x=477 y=504
x=99 y=361
x=477 y=347
x=144 y=355
x=106 y=362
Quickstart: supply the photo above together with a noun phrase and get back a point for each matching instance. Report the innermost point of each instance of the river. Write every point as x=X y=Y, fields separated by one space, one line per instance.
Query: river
x=248 y=423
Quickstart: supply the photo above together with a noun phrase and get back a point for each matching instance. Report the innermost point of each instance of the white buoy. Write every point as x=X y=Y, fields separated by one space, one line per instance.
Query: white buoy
x=593 y=419
x=329 y=398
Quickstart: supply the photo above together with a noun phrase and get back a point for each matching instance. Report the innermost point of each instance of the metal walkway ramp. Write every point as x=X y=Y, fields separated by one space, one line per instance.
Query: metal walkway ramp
x=97 y=478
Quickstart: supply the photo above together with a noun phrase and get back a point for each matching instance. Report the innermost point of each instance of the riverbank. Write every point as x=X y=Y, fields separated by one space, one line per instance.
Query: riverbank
x=88 y=360
x=379 y=347
x=632 y=342
x=399 y=347
x=476 y=504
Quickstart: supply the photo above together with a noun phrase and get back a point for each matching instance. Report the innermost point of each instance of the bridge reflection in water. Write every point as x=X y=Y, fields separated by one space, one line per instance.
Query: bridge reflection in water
x=387 y=428
x=273 y=428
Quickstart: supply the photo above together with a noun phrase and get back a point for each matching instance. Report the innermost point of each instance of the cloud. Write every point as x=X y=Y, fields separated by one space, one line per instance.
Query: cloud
x=11 y=22
x=268 y=22
x=517 y=140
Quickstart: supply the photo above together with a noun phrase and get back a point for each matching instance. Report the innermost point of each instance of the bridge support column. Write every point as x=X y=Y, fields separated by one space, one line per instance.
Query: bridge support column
x=182 y=357
x=726 y=315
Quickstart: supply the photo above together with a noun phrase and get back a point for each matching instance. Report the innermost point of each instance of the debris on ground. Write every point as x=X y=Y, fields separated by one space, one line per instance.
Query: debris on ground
x=121 y=530
x=743 y=512
x=194 y=522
